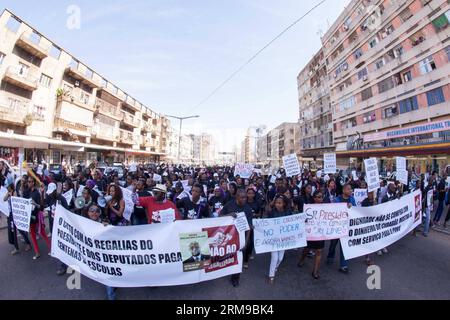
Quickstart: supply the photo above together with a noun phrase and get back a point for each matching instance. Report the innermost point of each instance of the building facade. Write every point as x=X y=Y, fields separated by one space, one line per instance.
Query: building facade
x=249 y=146
x=388 y=63
x=315 y=134
x=53 y=107
x=276 y=144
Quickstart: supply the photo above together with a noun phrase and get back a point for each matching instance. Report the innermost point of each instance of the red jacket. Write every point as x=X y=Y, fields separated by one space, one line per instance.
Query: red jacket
x=152 y=206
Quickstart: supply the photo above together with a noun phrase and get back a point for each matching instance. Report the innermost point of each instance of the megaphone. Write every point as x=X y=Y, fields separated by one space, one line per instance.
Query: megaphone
x=80 y=202
x=102 y=201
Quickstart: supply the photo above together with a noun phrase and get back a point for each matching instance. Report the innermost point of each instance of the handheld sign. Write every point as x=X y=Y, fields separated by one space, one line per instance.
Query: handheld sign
x=402 y=174
x=241 y=222
x=21 y=211
x=329 y=163
x=373 y=177
x=291 y=165
x=243 y=170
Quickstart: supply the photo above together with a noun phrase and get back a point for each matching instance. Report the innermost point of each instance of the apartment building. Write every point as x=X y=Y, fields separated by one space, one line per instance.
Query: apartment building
x=276 y=144
x=388 y=63
x=55 y=107
x=249 y=148
x=315 y=134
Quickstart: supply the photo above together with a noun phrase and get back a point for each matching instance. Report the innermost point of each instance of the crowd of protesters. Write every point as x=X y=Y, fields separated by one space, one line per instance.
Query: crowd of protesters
x=203 y=193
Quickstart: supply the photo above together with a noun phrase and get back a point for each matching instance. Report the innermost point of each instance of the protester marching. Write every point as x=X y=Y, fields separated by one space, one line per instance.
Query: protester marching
x=164 y=224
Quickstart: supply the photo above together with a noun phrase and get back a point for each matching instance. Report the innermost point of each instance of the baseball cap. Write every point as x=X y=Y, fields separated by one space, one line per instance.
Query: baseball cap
x=51 y=188
x=160 y=188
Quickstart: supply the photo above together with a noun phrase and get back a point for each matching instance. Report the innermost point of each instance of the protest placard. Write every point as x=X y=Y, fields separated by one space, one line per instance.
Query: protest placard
x=372 y=174
x=68 y=196
x=143 y=256
x=129 y=204
x=163 y=216
x=21 y=211
x=329 y=163
x=4 y=207
x=402 y=173
x=291 y=165
x=243 y=170
x=326 y=221
x=375 y=228
x=360 y=195
x=194 y=250
x=430 y=201
x=80 y=190
x=241 y=222
x=279 y=233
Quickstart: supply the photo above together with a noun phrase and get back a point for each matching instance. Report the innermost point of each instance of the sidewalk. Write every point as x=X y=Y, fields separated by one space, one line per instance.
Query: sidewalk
x=3 y=221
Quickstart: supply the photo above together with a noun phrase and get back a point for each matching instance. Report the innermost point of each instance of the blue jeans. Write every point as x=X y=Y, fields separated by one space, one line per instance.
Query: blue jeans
x=111 y=293
x=332 y=252
x=439 y=211
x=427 y=219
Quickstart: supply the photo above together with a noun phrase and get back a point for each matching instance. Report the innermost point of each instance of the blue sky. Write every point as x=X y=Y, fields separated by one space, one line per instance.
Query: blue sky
x=171 y=54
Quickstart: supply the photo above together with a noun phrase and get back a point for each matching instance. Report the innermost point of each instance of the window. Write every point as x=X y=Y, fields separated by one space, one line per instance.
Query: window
x=2 y=57
x=23 y=70
x=55 y=52
x=45 y=81
x=366 y=94
x=35 y=37
x=373 y=42
x=408 y=105
x=385 y=85
x=39 y=112
x=358 y=53
x=362 y=73
x=84 y=97
x=380 y=63
x=427 y=65
x=74 y=64
x=13 y=24
x=447 y=51
x=347 y=103
x=407 y=76
x=435 y=96
x=369 y=117
x=89 y=73
x=390 y=112
x=405 y=15
x=347 y=23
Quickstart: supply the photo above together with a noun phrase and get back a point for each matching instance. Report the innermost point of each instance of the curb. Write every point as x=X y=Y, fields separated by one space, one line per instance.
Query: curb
x=441 y=230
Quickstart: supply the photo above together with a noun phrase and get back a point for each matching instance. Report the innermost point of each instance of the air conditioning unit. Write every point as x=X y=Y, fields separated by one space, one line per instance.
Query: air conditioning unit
x=77 y=83
x=345 y=27
x=365 y=78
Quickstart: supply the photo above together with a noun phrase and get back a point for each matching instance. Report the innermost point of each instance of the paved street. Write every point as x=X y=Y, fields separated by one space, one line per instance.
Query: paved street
x=415 y=268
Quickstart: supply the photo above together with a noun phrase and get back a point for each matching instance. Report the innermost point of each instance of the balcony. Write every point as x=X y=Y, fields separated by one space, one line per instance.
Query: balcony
x=128 y=119
x=13 y=110
x=126 y=137
x=36 y=49
x=108 y=109
x=71 y=128
x=21 y=77
x=129 y=104
x=74 y=97
x=82 y=77
x=105 y=132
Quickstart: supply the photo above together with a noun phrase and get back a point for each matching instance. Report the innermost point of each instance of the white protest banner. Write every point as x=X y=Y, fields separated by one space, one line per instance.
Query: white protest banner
x=401 y=174
x=329 y=163
x=129 y=204
x=375 y=228
x=243 y=170
x=143 y=256
x=68 y=196
x=373 y=177
x=80 y=190
x=291 y=165
x=279 y=233
x=360 y=195
x=241 y=222
x=326 y=221
x=21 y=211
x=4 y=207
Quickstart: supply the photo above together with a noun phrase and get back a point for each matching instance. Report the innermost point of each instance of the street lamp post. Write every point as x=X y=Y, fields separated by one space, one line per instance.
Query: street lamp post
x=179 y=135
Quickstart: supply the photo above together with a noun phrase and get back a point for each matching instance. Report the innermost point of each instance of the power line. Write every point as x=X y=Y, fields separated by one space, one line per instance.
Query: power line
x=256 y=55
